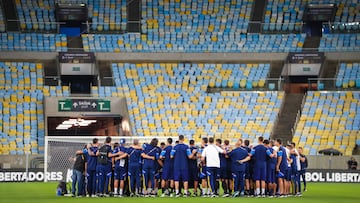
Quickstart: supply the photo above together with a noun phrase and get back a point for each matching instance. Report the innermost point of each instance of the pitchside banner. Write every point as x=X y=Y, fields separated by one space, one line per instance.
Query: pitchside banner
x=332 y=176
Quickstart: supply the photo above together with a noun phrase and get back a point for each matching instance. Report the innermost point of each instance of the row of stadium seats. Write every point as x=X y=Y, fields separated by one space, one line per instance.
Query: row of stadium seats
x=166 y=99
x=36 y=14
x=283 y=15
x=348 y=75
x=19 y=75
x=329 y=119
x=33 y=42
x=21 y=122
x=347 y=13
x=186 y=42
x=105 y=15
x=215 y=16
x=339 y=42
x=2 y=19
x=286 y=15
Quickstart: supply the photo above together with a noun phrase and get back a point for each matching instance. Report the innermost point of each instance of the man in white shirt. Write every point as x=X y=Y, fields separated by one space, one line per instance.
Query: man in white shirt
x=210 y=154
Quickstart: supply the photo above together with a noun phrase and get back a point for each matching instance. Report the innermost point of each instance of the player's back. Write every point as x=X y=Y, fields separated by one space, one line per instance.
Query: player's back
x=236 y=155
x=181 y=156
x=168 y=161
x=193 y=162
x=150 y=150
x=271 y=161
x=259 y=153
x=92 y=159
x=134 y=156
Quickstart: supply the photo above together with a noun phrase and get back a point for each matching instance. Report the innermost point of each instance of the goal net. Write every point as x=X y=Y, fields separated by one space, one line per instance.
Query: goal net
x=60 y=151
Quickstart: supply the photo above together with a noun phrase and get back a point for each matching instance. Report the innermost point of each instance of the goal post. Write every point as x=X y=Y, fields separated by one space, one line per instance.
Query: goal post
x=59 y=150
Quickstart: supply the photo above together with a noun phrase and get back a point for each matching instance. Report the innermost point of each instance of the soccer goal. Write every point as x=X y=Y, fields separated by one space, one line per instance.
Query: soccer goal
x=60 y=151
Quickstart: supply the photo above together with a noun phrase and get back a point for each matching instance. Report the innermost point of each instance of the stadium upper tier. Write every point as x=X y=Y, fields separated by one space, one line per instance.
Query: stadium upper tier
x=348 y=75
x=203 y=17
x=36 y=14
x=105 y=15
x=32 y=42
x=286 y=15
x=193 y=42
x=329 y=120
x=339 y=42
x=2 y=19
x=168 y=99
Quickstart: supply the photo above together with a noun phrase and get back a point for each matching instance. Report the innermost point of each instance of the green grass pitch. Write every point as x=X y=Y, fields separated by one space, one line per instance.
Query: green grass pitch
x=45 y=193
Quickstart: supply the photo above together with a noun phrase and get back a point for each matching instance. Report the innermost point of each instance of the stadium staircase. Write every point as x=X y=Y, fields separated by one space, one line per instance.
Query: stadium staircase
x=276 y=68
x=257 y=16
x=311 y=43
x=134 y=15
x=287 y=118
x=105 y=73
x=75 y=43
x=330 y=69
x=11 y=17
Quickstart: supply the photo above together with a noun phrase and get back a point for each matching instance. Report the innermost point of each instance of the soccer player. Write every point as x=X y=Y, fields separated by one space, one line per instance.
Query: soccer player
x=150 y=156
x=248 y=170
x=203 y=173
x=281 y=166
x=295 y=166
x=181 y=153
x=134 y=170
x=79 y=170
x=260 y=154
x=270 y=168
x=105 y=166
x=229 y=180
x=168 y=169
x=91 y=166
x=120 y=171
x=223 y=170
x=193 y=168
x=211 y=154
x=303 y=165
x=238 y=167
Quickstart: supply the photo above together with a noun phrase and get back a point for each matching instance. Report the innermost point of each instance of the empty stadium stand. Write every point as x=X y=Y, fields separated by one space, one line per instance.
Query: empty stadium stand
x=329 y=120
x=36 y=15
x=33 y=42
x=286 y=15
x=21 y=107
x=183 y=42
x=348 y=75
x=167 y=99
x=107 y=15
x=339 y=42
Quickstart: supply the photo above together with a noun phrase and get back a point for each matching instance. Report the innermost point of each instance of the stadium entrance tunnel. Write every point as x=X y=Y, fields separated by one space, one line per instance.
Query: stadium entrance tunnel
x=84 y=126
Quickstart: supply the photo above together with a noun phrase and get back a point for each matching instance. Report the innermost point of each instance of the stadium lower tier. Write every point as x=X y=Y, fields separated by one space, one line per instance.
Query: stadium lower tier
x=329 y=120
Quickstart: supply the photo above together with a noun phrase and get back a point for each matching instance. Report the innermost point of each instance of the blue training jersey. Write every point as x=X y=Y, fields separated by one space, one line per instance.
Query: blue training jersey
x=168 y=161
x=259 y=153
x=180 y=154
x=134 y=156
x=150 y=151
x=235 y=155
x=92 y=160
x=271 y=162
x=120 y=162
x=193 y=162
x=283 y=163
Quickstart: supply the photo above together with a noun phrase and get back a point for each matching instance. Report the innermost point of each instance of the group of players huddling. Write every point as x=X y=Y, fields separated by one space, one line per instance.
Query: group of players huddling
x=267 y=169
